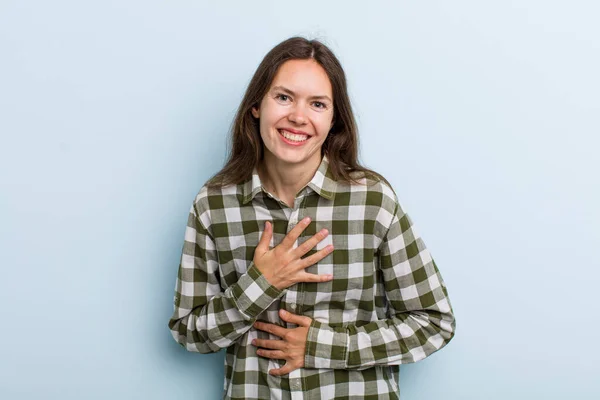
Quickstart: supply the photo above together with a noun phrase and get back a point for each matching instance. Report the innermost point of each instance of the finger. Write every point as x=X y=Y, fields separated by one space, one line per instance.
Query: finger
x=307 y=277
x=274 y=354
x=318 y=256
x=300 y=320
x=269 y=344
x=286 y=369
x=289 y=239
x=265 y=239
x=271 y=328
x=310 y=243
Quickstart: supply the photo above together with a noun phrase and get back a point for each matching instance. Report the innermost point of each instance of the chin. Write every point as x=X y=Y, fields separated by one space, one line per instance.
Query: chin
x=291 y=158
x=288 y=154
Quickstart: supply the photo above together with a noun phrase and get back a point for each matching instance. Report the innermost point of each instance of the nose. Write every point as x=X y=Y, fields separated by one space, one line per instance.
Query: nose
x=297 y=115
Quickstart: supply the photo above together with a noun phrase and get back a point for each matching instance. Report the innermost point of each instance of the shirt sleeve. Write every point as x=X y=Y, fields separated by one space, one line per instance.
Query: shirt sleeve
x=421 y=320
x=206 y=318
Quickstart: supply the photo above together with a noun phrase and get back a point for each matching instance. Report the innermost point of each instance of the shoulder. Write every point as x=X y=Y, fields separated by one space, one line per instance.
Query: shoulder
x=376 y=195
x=376 y=191
x=211 y=201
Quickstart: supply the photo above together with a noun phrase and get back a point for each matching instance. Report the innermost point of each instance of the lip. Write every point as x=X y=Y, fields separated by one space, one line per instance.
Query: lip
x=291 y=143
x=294 y=131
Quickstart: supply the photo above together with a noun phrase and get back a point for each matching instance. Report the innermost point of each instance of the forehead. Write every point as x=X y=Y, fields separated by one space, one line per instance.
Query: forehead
x=304 y=77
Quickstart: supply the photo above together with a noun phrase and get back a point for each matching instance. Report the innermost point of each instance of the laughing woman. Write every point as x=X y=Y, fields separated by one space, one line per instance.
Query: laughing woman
x=299 y=261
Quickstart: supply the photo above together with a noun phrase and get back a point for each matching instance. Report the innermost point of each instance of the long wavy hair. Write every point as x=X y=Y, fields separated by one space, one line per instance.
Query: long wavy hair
x=341 y=144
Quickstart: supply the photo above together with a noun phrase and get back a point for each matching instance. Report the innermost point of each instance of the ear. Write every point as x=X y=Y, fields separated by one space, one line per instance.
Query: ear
x=255 y=112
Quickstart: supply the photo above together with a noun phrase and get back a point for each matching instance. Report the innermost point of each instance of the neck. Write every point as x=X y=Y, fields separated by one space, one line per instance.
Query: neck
x=285 y=180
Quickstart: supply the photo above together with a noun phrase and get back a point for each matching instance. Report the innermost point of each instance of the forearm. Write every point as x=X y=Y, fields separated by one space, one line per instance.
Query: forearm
x=405 y=338
x=206 y=325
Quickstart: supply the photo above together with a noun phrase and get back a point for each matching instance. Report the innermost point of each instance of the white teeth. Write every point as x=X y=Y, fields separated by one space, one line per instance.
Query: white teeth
x=294 y=137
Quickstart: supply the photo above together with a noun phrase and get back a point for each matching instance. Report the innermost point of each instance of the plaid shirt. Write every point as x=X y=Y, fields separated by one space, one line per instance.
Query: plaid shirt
x=386 y=305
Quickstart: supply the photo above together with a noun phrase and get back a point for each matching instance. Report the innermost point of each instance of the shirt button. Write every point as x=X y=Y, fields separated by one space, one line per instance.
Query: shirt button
x=293 y=306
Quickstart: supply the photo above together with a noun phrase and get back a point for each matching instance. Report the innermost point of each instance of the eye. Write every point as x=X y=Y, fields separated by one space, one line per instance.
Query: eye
x=319 y=104
x=282 y=96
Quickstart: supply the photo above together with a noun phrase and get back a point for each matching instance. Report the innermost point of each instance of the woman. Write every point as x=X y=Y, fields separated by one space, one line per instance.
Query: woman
x=299 y=261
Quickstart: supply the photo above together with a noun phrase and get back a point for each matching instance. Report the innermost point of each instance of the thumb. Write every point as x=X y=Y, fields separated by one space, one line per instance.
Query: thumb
x=265 y=239
x=299 y=320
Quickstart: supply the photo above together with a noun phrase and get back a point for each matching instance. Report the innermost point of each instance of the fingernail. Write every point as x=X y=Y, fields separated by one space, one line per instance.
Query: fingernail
x=254 y=342
x=306 y=220
x=283 y=312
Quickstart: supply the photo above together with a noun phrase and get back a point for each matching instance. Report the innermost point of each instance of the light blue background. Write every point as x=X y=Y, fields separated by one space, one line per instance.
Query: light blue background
x=483 y=115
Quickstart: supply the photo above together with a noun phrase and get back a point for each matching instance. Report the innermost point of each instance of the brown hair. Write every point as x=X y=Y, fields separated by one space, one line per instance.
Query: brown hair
x=341 y=144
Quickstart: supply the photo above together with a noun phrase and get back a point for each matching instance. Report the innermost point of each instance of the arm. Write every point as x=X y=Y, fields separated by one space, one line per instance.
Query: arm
x=205 y=318
x=421 y=318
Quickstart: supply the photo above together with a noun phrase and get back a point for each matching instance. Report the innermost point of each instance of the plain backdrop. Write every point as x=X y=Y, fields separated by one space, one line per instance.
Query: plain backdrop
x=483 y=115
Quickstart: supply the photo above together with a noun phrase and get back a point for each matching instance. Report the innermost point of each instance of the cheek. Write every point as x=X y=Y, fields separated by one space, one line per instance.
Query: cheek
x=323 y=126
x=270 y=118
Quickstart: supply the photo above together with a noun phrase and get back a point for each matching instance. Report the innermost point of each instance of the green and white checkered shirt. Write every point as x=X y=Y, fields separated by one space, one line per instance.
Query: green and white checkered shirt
x=386 y=305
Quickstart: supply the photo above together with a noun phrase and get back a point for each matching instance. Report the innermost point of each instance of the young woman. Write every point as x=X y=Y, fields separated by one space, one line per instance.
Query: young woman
x=299 y=261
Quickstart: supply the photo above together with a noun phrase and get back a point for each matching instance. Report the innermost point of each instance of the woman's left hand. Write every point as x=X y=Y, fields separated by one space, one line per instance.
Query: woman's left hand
x=292 y=345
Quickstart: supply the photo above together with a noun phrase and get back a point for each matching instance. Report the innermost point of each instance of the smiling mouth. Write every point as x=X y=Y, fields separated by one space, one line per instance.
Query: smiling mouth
x=293 y=137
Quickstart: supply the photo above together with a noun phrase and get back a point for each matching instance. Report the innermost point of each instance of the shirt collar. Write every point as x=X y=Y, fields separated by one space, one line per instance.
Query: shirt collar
x=322 y=182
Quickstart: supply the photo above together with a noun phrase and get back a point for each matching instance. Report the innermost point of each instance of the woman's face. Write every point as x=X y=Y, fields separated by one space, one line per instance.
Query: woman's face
x=299 y=105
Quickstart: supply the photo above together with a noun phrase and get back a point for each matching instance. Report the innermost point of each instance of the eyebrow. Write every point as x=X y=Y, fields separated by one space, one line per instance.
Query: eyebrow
x=288 y=91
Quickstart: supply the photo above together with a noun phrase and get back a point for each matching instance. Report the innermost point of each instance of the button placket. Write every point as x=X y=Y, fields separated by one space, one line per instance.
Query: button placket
x=300 y=290
x=296 y=384
x=292 y=299
x=295 y=379
x=294 y=217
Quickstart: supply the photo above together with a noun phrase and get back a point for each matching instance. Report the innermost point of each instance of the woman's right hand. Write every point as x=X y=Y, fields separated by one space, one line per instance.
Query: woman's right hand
x=283 y=266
